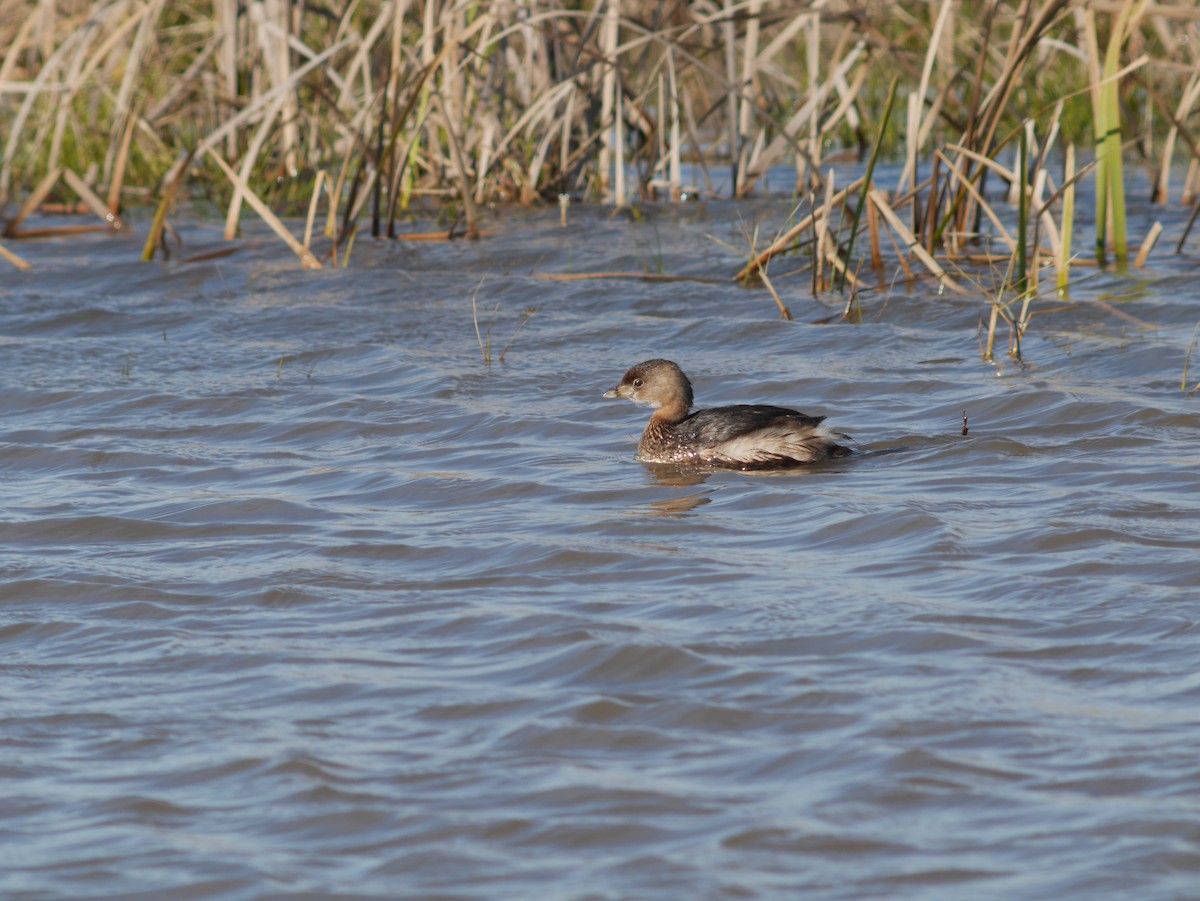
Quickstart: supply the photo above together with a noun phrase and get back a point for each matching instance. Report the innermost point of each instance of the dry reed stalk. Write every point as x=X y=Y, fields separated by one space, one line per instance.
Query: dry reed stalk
x=729 y=47
x=909 y=276
x=225 y=12
x=464 y=178
x=752 y=241
x=217 y=253
x=90 y=199
x=453 y=89
x=873 y=233
x=1187 y=100
x=278 y=58
x=990 y=259
x=39 y=193
x=529 y=192
x=786 y=138
x=876 y=197
x=549 y=68
x=821 y=236
x=823 y=239
x=1148 y=245
x=1171 y=11
x=1190 y=181
x=312 y=208
x=133 y=66
x=117 y=181
x=849 y=94
x=917 y=131
x=609 y=107
x=77 y=69
x=993 y=321
x=41 y=85
x=839 y=265
x=307 y=260
x=930 y=231
x=8 y=63
x=969 y=186
x=675 y=166
x=13 y=259
x=814 y=267
x=248 y=160
x=987 y=162
x=255 y=109
x=1044 y=220
x=784 y=312
x=750 y=62
x=484 y=158
x=660 y=133
x=813 y=57
x=784 y=241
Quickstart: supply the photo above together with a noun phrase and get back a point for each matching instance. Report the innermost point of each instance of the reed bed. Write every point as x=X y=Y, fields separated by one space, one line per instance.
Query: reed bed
x=353 y=114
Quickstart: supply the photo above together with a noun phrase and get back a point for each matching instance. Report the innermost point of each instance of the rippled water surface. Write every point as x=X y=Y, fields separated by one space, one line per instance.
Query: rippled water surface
x=301 y=599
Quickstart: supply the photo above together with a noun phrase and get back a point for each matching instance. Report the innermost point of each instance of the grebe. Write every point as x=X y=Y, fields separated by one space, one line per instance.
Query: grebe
x=743 y=437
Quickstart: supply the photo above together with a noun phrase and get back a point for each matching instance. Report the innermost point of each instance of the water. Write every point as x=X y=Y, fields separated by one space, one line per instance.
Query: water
x=301 y=599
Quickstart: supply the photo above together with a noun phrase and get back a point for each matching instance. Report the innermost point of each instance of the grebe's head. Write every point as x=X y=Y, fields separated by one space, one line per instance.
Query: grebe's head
x=656 y=383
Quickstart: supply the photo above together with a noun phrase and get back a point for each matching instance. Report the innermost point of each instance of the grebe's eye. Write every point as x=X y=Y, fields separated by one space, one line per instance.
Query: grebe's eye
x=637 y=383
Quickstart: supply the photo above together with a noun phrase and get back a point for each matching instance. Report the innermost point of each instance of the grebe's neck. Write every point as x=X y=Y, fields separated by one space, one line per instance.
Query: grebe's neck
x=671 y=413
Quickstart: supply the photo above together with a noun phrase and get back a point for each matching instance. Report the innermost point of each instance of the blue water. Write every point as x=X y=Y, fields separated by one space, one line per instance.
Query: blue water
x=303 y=598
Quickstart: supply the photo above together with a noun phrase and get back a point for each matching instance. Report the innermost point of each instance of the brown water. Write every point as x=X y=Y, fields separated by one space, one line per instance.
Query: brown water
x=381 y=621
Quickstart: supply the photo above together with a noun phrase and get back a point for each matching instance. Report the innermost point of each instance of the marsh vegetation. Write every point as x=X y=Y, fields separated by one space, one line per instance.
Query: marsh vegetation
x=351 y=115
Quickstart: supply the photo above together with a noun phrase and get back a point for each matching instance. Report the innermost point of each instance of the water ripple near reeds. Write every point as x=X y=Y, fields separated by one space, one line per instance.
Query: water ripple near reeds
x=301 y=598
